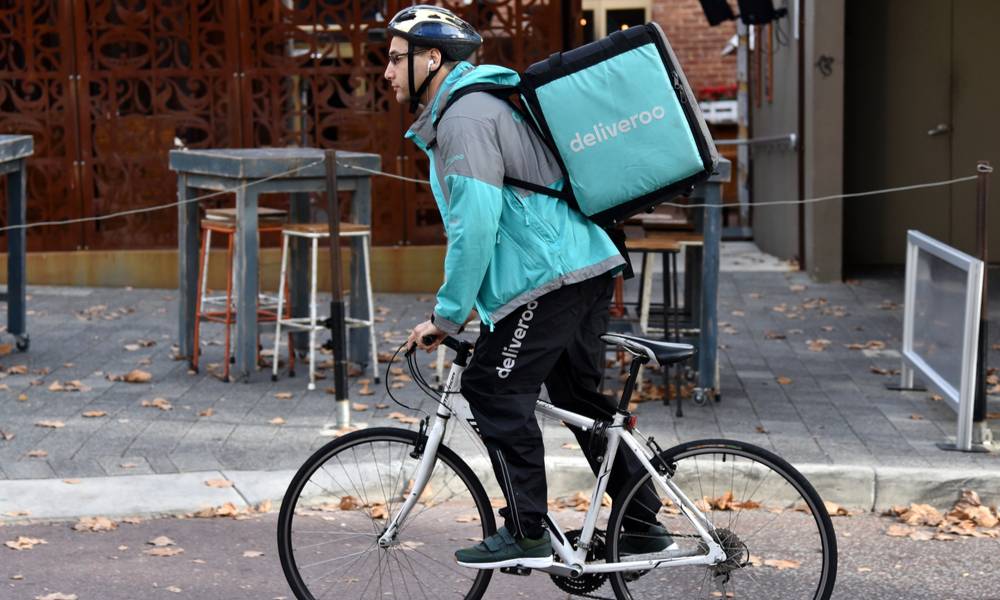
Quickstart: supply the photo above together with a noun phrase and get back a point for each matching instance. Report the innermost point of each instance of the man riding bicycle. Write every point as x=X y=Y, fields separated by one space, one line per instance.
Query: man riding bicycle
x=538 y=273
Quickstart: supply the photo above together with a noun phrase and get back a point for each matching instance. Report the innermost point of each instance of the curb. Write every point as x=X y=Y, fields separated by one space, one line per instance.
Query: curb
x=855 y=487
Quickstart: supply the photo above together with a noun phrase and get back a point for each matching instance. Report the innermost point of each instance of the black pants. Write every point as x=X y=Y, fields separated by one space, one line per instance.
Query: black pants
x=553 y=340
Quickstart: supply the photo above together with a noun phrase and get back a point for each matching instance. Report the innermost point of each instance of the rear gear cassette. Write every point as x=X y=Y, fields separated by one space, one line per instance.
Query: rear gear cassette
x=737 y=553
x=583 y=584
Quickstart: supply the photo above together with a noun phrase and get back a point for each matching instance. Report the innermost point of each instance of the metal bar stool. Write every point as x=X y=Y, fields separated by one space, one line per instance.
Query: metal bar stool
x=316 y=232
x=223 y=221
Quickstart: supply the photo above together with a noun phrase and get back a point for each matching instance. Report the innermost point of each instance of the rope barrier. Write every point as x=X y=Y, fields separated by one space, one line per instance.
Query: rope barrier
x=426 y=182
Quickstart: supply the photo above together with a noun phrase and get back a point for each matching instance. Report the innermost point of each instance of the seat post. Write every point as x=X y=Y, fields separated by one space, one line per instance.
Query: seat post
x=633 y=374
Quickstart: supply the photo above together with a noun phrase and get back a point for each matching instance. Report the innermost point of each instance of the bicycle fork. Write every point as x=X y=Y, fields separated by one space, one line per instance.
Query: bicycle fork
x=423 y=475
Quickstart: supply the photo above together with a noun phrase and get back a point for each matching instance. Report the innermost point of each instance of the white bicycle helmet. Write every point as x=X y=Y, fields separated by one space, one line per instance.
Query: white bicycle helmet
x=433 y=27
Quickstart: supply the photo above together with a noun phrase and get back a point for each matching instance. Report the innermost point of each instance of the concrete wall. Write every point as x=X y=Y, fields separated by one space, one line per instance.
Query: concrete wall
x=823 y=137
x=775 y=168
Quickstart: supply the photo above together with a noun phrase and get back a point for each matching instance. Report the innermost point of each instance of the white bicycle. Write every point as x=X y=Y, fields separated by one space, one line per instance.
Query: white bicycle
x=379 y=513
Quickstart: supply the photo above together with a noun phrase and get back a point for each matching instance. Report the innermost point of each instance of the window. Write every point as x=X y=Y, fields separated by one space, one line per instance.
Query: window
x=601 y=17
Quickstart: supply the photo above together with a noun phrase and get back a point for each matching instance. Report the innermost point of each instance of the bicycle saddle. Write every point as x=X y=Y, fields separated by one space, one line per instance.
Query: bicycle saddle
x=658 y=352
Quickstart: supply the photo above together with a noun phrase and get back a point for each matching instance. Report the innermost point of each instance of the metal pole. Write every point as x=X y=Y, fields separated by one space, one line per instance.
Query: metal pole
x=983 y=170
x=708 y=351
x=743 y=120
x=336 y=320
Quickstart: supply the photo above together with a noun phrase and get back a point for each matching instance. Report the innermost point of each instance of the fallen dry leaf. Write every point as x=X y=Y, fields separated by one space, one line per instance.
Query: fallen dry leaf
x=208 y=412
x=72 y=481
x=137 y=376
x=881 y=371
x=6 y=435
x=467 y=519
x=277 y=421
x=869 y=345
x=22 y=398
x=916 y=417
x=57 y=596
x=161 y=541
x=359 y=406
x=93 y=414
x=6 y=349
x=219 y=483
x=349 y=503
x=774 y=335
x=835 y=510
x=381 y=405
x=95 y=524
x=780 y=564
x=283 y=395
x=818 y=345
x=38 y=454
x=402 y=418
x=226 y=510
x=252 y=553
x=17 y=370
x=896 y=530
x=50 y=424
x=24 y=543
x=264 y=507
x=160 y=403
x=384 y=357
x=164 y=551
x=784 y=380
x=174 y=589
x=570 y=446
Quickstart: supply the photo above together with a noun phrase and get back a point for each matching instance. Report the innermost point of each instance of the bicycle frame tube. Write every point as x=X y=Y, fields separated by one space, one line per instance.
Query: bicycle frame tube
x=453 y=403
x=429 y=458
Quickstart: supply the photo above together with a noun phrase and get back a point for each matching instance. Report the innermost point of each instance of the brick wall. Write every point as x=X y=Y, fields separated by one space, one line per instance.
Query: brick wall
x=697 y=45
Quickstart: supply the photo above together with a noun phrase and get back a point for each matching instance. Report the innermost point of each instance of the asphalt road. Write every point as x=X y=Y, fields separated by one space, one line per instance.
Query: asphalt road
x=225 y=559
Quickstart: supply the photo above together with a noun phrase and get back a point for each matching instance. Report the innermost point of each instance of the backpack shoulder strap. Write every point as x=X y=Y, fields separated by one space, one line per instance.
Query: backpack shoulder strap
x=504 y=92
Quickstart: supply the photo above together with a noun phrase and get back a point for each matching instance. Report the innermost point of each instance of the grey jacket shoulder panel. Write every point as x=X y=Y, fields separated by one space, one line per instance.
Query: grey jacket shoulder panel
x=524 y=156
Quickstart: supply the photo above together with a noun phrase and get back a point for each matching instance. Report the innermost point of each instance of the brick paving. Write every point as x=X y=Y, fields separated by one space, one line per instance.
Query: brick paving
x=833 y=408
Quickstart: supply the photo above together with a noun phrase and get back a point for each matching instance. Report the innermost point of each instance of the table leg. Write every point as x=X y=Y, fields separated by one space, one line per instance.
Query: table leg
x=17 y=193
x=299 y=270
x=188 y=245
x=247 y=284
x=359 y=344
x=708 y=364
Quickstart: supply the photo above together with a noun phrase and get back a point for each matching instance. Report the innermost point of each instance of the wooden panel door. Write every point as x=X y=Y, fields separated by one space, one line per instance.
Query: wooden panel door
x=897 y=93
x=975 y=117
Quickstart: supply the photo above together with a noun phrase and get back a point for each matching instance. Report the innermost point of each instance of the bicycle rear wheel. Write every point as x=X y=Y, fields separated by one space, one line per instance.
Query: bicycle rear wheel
x=769 y=520
x=340 y=502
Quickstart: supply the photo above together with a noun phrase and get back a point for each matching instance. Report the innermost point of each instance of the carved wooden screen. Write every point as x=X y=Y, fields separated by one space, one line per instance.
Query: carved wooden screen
x=108 y=86
x=37 y=97
x=150 y=71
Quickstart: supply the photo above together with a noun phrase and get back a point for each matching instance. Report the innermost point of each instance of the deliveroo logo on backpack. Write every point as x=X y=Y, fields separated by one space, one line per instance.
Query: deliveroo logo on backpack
x=600 y=132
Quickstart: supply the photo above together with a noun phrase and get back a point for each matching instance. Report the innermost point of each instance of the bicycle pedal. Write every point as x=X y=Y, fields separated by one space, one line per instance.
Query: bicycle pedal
x=522 y=571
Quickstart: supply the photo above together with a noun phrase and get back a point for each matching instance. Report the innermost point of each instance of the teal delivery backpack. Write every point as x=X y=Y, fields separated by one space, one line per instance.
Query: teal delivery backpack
x=621 y=120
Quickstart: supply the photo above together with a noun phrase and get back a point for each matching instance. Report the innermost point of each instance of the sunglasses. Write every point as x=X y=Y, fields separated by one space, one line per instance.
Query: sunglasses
x=395 y=57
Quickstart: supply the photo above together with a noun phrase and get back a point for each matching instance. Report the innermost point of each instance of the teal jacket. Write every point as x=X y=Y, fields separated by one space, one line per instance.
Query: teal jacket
x=506 y=246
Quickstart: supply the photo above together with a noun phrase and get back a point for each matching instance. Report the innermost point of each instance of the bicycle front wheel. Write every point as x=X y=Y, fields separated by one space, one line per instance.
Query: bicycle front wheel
x=340 y=502
x=768 y=519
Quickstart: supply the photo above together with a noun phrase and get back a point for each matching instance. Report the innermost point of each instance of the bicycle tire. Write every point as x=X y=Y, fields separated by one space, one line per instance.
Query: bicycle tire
x=773 y=573
x=294 y=502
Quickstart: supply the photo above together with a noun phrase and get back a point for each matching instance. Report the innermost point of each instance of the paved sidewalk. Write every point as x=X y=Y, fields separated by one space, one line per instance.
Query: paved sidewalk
x=832 y=415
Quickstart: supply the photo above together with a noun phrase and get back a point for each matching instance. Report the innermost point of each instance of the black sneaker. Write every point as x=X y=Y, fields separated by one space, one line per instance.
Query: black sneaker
x=502 y=550
x=653 y=539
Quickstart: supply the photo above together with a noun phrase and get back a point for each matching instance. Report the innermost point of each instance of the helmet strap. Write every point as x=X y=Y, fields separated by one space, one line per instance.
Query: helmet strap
x=417 y=94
